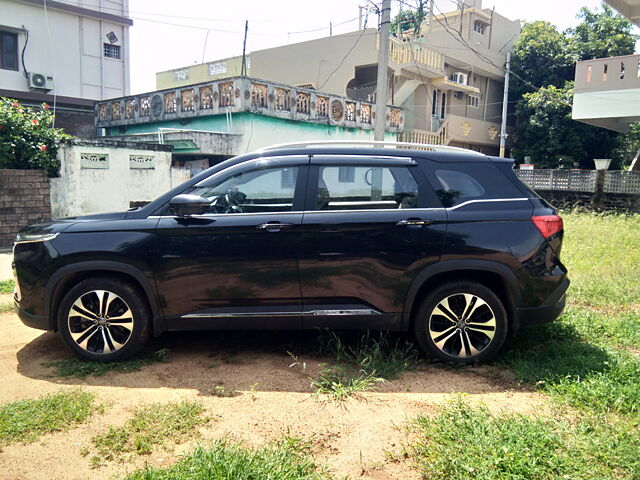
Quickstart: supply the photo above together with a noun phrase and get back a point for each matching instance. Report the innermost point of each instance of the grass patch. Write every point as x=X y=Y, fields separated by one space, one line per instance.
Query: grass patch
x=462 y=442
x=26 y=420
x=361 y=362
x=6 y=286
x=602 y=256
x=150 y=427
x=6 y=307
x=287 y=460
x=220 y=391
x=78 y=368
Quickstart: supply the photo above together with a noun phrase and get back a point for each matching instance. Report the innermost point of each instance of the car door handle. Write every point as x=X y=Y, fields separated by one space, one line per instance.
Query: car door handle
x=414 y=222
x=274 y=226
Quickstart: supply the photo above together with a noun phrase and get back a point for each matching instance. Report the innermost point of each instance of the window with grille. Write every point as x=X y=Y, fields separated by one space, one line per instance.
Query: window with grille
x=480 y=27
x=111 y=51
x=8 y=51
x=216 y=68
x=473 y=101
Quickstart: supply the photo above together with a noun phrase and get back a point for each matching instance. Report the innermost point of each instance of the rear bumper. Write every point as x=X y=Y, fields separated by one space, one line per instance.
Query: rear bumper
x=548 y=311
x=33 y=321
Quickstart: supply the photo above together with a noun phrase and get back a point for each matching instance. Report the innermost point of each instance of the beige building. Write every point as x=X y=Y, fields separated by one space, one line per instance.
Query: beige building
x=77 y=50
x=449 y=78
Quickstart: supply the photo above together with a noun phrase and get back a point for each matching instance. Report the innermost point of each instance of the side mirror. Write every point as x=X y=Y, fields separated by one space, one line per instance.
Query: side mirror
x=185 y=205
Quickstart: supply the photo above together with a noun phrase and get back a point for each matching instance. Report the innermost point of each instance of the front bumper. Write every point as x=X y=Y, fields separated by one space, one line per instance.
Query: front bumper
x=548 y=311
x=33 y=321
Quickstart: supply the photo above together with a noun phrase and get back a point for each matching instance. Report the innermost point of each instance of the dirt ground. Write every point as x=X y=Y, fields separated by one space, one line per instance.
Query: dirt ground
x=274 y=400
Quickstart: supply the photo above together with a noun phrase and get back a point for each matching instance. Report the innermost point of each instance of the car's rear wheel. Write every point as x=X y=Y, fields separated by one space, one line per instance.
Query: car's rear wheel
x=461 y=322
x=104 y=319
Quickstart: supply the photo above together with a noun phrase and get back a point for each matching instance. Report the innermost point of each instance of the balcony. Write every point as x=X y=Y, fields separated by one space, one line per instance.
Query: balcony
x=607 y=92
x=229 y=96
x=416 y=58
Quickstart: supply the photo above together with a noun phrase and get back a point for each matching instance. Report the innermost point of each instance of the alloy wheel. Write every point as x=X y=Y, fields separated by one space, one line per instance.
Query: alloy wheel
x=100 y=322
x=462 y=325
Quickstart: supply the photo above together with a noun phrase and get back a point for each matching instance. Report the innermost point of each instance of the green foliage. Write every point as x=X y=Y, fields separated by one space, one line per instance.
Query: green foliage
x=463 y=442
x=27 y=138
x=26 y=420
x=408 y=20
x=362 y=362
x=543 y=67
x=602 y=34
x=151 y=426
x=6 y=286
x=75 y=367
x=286 y=460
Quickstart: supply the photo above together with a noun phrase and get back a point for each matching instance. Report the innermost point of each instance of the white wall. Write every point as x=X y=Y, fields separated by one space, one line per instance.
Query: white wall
x=75 y=54
x=80 y=191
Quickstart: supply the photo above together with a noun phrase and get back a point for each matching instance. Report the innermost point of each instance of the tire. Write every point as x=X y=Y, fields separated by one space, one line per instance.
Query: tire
x=104 y=334
x=461 y=322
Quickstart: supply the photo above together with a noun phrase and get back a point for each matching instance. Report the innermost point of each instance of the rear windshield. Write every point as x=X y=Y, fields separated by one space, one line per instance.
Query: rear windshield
x=456 y=183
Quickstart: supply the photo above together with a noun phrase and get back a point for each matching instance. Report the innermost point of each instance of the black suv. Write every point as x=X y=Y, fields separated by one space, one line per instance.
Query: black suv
x=443 y=242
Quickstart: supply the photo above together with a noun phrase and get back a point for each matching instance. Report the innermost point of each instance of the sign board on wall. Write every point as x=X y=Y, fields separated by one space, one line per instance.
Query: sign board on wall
x=94 y=160
x=142 y=161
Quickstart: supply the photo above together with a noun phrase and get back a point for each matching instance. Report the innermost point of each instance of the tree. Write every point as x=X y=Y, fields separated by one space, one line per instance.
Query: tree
x=602 y=34
x=408 y=20
x=27 y=137
x=543 y=70
x=549 y=135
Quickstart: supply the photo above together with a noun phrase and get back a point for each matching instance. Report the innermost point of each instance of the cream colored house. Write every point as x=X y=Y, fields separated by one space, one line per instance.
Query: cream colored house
x=449 y=78
x=76 y=49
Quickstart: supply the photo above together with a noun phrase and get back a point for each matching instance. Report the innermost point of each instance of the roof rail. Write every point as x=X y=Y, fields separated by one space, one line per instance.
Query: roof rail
x=380 y=143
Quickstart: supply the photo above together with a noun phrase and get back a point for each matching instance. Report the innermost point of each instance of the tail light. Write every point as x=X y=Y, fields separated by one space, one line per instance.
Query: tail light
x=547 y=225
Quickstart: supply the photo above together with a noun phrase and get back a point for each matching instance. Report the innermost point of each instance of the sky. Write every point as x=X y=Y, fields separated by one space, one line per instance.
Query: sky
x=169 y=34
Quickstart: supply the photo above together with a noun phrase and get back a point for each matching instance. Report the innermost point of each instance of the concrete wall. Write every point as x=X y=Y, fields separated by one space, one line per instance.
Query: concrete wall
x=24 y=199
x=93 y=186
x=75 y=57
x=179 y=77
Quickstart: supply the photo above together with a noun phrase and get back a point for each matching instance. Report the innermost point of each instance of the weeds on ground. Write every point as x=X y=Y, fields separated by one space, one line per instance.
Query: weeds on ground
x=6 y=307
x=26 y=420
x=6 y=286
x=151 y=426
x=220 y=391
x=78 y=368
x=463 y=442
x=288 y=459
x=361 y=363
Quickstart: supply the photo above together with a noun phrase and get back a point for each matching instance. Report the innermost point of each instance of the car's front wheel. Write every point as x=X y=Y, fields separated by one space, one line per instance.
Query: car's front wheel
x=104 y=319
x=461 y=322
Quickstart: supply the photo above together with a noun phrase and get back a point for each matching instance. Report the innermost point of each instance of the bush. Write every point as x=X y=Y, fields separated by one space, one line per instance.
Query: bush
x=27 y=137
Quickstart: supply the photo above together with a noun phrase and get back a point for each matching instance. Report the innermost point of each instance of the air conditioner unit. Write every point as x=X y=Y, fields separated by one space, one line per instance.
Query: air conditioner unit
x=40 y=81
x=459 y=77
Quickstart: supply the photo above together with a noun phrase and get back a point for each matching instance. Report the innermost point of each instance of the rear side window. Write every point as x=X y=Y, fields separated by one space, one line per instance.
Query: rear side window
x=462 y=182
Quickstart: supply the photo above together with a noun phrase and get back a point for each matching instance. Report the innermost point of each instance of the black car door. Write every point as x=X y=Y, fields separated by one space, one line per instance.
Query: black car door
x=370 y=225
x=236 y=266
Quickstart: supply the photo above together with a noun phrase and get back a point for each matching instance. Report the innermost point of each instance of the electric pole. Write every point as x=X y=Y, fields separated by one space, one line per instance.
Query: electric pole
x=243 y=71
x=383 y=62
x=505 y=105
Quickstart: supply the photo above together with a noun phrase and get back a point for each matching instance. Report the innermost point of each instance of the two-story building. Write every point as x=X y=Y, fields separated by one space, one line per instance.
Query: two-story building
x=69 y=53
x=449 y=77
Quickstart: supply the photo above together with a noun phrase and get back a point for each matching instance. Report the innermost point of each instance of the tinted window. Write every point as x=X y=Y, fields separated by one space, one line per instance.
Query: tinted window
x=263 y=190
x=365 y=187
x=459 y=183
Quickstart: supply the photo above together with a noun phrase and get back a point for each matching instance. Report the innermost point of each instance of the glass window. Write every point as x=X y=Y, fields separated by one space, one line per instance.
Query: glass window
x=456 y=184
x=111 y=51
x=368 y=187
x=8 y=51
x=264 y=190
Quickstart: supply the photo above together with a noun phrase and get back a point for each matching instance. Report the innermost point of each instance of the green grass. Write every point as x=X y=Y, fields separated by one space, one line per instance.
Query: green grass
x=151 y=426
x=27 y=420
x=462 y=442
x=6 y=286
x=75 y=367
x=602 y=255
x=286 y=460
x=361 y=362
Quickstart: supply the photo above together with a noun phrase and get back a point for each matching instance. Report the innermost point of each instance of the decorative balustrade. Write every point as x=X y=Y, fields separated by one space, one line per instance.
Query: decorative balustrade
x=243 y=94
x=406 y=52
x=617 y=181
x=439 y=137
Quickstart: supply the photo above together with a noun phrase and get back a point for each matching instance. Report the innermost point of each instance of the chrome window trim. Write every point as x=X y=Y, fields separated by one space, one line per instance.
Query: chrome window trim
x=488 y=200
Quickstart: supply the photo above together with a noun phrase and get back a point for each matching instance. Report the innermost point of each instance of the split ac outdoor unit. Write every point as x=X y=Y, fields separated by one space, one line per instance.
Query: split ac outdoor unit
x=41 y=81
x=459 y=77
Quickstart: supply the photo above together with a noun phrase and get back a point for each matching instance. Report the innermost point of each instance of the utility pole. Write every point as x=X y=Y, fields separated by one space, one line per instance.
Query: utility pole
x=505 y=105
x=383 y=62
x=243 y=71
